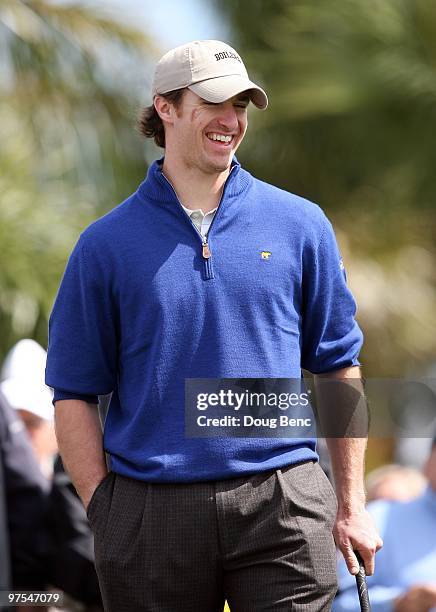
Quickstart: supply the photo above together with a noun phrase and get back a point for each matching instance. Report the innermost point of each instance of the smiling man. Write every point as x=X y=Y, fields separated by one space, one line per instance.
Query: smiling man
x=205 y=272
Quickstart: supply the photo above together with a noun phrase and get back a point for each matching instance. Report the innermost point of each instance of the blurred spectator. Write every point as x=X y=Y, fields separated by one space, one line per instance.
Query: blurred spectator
x=72 y=558
x=51 y=543
x=5 y=570
x=395 y=482
x=22 y=383
x=405 y=575
x=26 y=496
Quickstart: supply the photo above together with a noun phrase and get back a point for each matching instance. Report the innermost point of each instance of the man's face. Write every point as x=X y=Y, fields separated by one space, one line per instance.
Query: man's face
x=205 y=135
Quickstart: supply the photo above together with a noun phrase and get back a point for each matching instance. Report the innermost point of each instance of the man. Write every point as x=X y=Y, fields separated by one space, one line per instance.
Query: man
x=406 y=577
x=158 y=292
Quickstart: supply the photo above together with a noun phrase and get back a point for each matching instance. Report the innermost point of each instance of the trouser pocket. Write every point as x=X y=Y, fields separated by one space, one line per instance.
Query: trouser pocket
x=95 y=510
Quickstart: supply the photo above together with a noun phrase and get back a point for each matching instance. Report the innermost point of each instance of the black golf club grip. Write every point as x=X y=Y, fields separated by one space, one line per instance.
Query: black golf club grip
x=362 y=587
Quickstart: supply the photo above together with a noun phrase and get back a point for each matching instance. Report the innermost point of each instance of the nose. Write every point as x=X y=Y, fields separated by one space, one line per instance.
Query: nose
x=227 y=117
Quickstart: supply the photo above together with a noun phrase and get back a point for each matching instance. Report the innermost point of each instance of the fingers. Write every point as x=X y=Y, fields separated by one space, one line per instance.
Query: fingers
x=367 y=555
x=368 y=558
x=350 y=559
x=356 y=532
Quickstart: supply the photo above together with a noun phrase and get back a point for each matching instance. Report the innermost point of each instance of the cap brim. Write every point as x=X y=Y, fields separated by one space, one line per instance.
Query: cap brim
x=220 y=89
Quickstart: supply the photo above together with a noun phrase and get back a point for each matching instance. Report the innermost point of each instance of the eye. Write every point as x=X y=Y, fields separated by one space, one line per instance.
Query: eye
x=241 y=103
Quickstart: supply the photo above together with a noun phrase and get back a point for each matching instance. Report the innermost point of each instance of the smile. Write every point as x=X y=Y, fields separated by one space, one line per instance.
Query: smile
x=225 y=138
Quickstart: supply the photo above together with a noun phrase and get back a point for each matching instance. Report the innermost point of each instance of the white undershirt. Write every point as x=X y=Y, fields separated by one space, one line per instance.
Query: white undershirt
x=200 y=220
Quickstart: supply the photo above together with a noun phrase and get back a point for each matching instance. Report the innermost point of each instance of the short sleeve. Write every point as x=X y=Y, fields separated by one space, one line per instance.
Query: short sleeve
x=60 y=394
x=82 y=349
x=331 y=337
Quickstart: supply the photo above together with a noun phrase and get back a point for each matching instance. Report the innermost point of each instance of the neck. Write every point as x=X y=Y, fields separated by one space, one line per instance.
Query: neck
x=195 y=189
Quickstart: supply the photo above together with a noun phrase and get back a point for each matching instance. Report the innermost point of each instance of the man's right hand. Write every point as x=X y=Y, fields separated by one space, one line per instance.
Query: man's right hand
x=86 y=498
x=419 y=598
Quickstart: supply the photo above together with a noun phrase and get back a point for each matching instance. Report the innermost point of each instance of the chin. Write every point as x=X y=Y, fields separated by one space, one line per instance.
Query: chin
x=220 y=165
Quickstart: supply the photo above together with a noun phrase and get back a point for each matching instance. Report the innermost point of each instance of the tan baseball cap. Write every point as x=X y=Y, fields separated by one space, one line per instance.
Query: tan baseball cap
x=209 y=68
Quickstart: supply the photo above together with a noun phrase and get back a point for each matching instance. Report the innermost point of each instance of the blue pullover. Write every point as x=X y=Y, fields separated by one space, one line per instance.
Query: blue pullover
x=140 y=309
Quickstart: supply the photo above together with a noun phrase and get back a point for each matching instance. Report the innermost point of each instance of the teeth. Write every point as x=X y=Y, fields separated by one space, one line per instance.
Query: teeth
x=220 y=137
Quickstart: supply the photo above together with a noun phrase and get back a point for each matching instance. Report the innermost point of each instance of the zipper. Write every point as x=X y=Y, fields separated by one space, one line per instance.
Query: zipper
x=206 y=252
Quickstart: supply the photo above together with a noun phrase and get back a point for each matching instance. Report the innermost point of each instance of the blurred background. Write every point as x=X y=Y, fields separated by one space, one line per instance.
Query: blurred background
x=351 y=124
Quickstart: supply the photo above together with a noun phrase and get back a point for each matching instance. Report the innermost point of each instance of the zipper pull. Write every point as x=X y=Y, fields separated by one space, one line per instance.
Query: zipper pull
x=206 y=250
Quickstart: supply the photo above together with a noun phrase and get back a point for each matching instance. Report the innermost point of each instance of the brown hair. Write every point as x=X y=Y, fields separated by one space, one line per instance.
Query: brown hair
x=149 y=123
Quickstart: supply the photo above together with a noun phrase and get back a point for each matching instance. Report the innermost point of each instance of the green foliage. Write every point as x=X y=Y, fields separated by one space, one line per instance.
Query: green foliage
x=352 y=88
x=70 y=90
x=353 y=95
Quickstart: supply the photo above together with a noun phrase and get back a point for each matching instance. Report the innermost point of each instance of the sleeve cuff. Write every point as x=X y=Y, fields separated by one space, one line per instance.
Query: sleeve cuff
x=60 y=394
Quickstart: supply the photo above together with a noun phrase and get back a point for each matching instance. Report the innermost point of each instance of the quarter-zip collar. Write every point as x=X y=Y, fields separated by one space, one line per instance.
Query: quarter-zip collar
x=156 y=187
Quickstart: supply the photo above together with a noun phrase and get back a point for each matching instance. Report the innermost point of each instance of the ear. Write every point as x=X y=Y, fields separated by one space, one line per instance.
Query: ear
x=164 y=109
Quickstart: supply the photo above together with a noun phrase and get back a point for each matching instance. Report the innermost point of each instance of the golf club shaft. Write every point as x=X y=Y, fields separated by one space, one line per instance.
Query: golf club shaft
x=362 y=587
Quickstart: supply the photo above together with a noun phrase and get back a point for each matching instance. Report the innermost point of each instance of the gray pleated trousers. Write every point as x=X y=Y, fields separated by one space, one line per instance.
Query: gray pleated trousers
x=263 y=542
